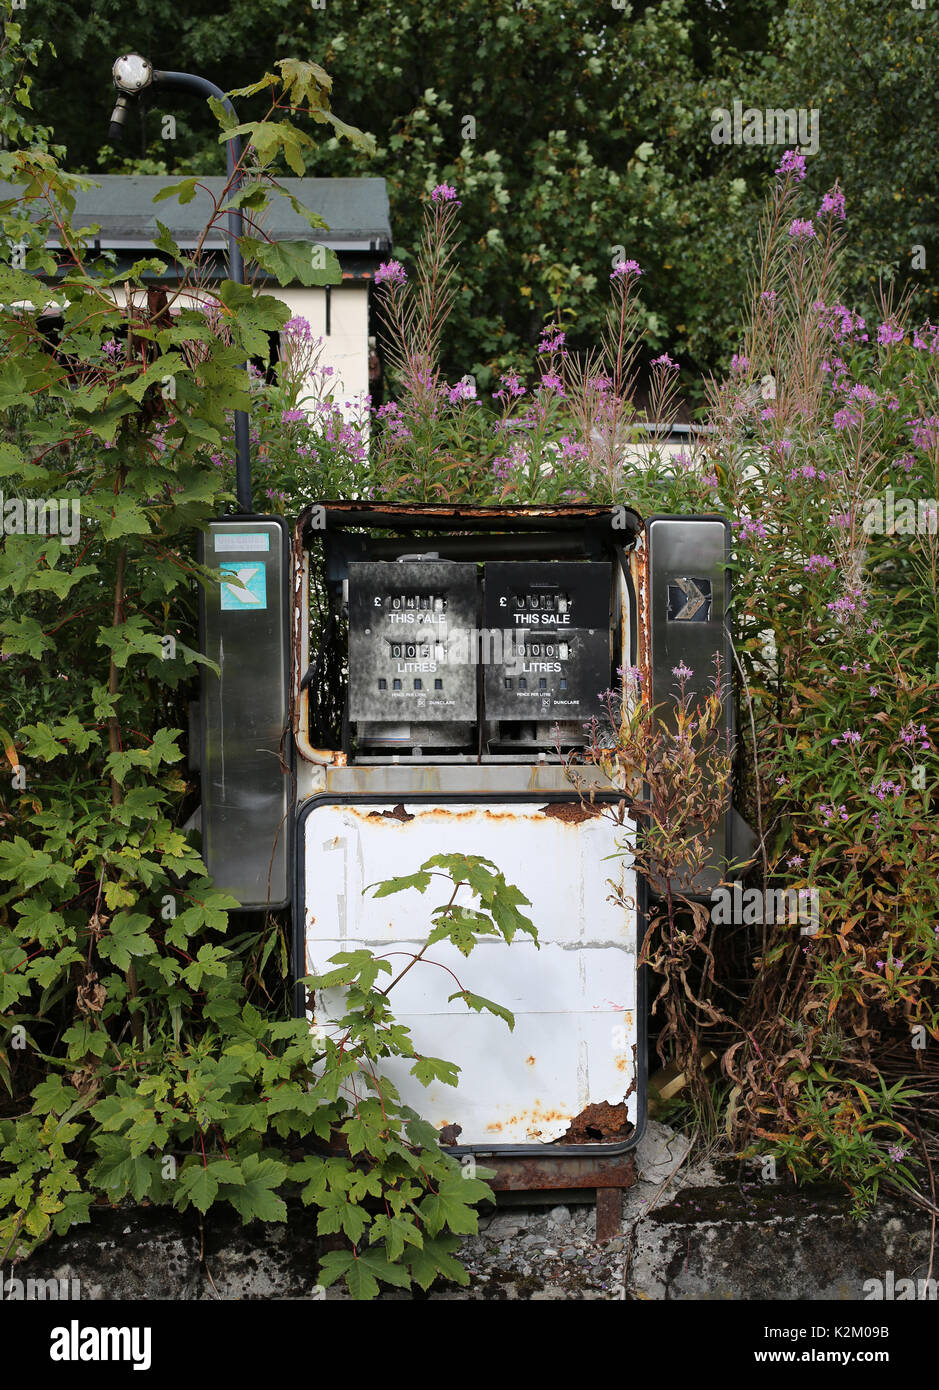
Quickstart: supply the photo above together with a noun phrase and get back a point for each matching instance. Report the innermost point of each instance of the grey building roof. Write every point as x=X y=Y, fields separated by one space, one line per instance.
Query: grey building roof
x=358 y=223
x=354 y=210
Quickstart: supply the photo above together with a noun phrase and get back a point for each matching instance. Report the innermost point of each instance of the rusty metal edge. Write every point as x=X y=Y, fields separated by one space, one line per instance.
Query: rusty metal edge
x=367 y=513
x=548 y=1174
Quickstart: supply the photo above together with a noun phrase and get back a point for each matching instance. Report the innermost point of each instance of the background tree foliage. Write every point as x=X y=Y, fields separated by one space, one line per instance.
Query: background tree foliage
x=592 y=133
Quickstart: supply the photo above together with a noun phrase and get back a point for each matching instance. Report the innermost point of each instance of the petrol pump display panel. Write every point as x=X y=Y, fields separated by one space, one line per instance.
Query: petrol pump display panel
x=553 y=621
x=409 y=659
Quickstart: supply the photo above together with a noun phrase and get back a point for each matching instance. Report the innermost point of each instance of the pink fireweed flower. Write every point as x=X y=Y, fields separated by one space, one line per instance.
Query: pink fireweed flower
x=793 y=163
x=552 y=339
x=889 y=333
x=505 y=464
x=571 y=448
x=845 y=419
x=623 y=269
x=666 y=362
x=909 y=734
x=800 y=227
x=749 y=528
x=818 y=562
x=739 y=364
x=924 y=431
x=884 y=787
x=552 y=382
x=864 y=394
x=795 y=861
x=292 y=416
x=833 y=203
x=462 y=391
x=445 y=193
x=299 y=328
x=392 y=272
x=682 y=672
x=511 y=386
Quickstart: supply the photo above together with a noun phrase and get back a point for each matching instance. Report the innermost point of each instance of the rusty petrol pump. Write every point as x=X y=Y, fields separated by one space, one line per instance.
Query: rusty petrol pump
x=398 y=681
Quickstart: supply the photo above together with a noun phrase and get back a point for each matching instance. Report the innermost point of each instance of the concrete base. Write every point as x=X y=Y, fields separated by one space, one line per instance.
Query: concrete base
x=690 y=1232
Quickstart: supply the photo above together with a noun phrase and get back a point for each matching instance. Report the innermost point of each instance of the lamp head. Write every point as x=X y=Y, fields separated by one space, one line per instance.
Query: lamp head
x=132 y=73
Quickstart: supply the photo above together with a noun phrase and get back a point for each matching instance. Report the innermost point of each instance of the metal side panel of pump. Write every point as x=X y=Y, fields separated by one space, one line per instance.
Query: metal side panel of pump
x=686 y=625
x=570 y=1078
x=245 y=741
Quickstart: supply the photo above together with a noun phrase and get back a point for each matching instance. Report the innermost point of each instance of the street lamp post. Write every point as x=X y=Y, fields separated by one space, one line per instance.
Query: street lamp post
x=133 y=74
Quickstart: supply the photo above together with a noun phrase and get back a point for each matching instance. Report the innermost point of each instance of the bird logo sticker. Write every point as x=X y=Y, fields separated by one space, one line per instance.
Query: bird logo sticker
x=250 y=590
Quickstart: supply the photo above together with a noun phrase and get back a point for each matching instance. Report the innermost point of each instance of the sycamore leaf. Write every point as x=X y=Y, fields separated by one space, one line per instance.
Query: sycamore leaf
x=184 y=191
x=479 y=1004
x=361 y=1272
x=257 y=1198
x=436 y=1260
x=292 y=261
x=448 y=1207
x=428 y=1069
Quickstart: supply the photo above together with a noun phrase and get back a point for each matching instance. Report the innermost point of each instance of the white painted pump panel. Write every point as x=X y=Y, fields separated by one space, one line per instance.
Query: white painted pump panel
x=574 y=999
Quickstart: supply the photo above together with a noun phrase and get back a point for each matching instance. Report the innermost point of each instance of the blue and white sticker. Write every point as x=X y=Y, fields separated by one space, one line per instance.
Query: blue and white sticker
x=253 y=576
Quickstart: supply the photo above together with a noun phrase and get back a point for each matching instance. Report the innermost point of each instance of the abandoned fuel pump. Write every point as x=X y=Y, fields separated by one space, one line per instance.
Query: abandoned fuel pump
x=415 y=680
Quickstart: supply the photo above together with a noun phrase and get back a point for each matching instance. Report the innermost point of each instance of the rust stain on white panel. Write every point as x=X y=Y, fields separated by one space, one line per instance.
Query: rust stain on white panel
x=574 y=999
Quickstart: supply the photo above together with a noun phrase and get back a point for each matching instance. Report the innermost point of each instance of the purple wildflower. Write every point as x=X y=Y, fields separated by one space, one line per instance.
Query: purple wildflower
x=391 y=271
x=833 y=203
x=793 y=163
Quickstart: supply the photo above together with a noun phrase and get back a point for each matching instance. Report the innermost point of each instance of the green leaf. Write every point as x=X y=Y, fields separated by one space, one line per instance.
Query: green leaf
x=361 y=1272
x=257 y=1199
x=290 y=262
x=436 y=1260
x=479 y=1004
x=449 y=1207
x=428 y=1069
x=395 y=1232
x=184 y=191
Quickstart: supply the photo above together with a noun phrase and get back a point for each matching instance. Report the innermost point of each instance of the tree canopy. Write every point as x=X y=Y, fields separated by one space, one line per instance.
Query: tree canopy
x=575 y=133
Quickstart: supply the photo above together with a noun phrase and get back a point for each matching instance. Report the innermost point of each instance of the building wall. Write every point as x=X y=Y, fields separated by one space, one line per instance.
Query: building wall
x=345 y=347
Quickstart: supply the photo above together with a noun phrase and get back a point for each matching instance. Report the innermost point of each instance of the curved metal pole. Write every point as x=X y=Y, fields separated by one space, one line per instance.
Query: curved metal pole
x=201 y=86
